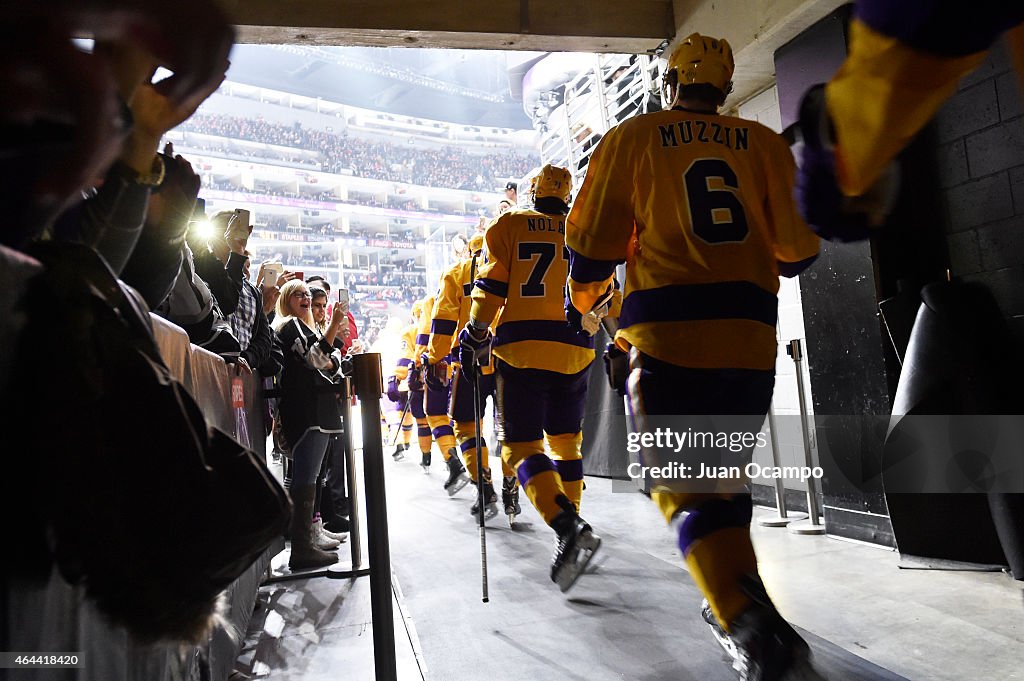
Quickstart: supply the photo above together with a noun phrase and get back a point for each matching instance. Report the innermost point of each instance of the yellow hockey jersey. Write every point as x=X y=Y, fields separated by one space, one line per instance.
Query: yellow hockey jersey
x=701 y=208
x=407 y=356
x=423 y=329
x=526 y=269
x=451 y=310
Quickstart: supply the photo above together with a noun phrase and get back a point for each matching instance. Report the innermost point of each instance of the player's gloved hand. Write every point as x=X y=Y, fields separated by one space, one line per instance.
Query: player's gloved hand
x=392 y=391
x=572 y=315
x=829 y=213
x=434 y=375
x=415 y=379
x=616 y=366
x=589 y=323
x=474 y=347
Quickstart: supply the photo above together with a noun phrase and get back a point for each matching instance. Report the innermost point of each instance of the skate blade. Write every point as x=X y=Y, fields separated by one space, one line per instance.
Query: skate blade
x=426 y=469
x=726 y=643
x=398 y=457
x=490 y=511
x=511 y=519
x=584 y=551
x=459 y=483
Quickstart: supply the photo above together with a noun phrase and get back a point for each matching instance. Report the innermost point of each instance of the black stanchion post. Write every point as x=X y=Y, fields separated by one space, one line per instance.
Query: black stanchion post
x=354 y=537
x=369 y=388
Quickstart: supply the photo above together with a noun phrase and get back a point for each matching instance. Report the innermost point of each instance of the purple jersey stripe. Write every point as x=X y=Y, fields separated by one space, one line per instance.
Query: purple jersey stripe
x=540 y=330
x=444 y=327
x=692 y=302
x=941 y=27
x=586 y=270
x=493 y=286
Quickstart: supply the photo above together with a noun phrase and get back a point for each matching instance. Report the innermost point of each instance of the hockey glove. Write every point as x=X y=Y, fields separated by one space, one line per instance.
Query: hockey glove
x=474 y=347
x=829 y=213
x=392 y=392
x=434 y=375
x=616 y=366
x=416 y=379
x=590 y=322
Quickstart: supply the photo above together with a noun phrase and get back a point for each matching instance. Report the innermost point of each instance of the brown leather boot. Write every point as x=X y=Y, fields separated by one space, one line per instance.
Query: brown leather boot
x=305 y=554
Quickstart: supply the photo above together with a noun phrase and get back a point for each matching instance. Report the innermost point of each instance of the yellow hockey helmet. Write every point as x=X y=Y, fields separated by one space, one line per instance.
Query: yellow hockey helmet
x=417 y=309
x=476 y=242
x=702 y=60
x=553 y=181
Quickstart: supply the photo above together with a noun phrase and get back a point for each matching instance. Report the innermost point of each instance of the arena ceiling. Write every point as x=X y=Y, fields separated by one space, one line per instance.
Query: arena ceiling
x=755 y=28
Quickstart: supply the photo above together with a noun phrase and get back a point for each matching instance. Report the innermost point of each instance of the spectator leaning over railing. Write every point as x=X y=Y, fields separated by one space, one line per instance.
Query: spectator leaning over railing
x=308 y=410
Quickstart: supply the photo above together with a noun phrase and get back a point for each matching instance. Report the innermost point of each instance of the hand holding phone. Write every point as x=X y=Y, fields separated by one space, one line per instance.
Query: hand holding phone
x=271 y=271
x=238 y=231
x=338 y=316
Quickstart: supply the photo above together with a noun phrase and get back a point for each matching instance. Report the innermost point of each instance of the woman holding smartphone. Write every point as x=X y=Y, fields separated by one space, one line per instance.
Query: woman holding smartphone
x=308 y=409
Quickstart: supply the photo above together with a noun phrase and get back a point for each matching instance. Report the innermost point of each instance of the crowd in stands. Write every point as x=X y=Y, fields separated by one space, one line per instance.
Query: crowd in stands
x=264 y=189
x=448 y=167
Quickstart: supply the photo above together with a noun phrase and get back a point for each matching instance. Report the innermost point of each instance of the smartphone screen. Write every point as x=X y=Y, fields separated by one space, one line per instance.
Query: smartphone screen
x=343 y=296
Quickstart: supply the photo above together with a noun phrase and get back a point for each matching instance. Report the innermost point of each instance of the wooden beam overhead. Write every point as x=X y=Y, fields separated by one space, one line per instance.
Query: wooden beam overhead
x=636 y=26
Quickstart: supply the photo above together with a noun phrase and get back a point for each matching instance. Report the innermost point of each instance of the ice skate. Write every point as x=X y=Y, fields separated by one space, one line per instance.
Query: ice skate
x=720 y=634
x=490 y=502
x=457 y=478
x=763 y=646
x=425 y=463
x=577 y=545
x=510 y=498
x=399 y=452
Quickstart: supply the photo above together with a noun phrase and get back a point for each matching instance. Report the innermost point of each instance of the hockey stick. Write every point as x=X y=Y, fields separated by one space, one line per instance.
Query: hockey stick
x=478 y=420
x=401 y=419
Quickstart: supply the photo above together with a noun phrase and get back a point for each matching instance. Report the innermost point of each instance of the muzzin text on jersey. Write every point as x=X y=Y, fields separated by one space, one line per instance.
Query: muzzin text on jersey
x=707 y=132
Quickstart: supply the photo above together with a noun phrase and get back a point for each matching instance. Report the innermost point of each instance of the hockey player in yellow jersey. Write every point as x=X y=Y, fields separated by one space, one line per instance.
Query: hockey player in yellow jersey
x=398 y=387
x=700 y=207
x=407 y=371
x=436 y=383
x=541 y=363
x=451 y=312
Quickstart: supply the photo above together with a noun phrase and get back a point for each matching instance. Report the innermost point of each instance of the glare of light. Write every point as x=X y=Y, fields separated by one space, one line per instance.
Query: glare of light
x=203 y=229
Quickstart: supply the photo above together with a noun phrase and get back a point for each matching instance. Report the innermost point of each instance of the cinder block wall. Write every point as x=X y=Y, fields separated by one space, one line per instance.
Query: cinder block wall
x=980 y=165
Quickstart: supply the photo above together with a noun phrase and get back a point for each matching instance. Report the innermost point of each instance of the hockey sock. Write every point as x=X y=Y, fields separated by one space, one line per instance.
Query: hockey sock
x=565 y=450
x=715 y=541
x=423 y=434
x=441 y=429
x=406 y=426
x=537 y=475
x=465 y=433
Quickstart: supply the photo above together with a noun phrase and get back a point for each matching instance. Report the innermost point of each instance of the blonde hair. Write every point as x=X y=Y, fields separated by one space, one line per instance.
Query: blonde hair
x=284 y=314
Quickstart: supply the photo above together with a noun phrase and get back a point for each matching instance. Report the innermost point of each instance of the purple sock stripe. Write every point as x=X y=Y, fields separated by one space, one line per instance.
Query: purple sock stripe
x=713 y=515
x=532 y=465
x=442 y=431
x=570 y=470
